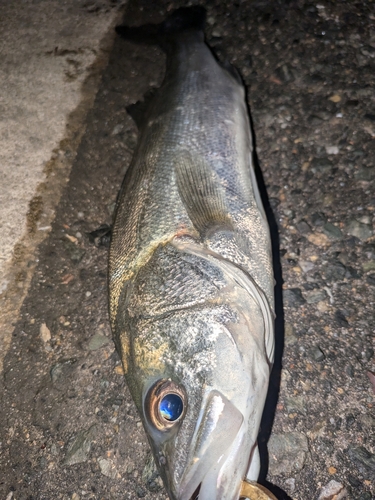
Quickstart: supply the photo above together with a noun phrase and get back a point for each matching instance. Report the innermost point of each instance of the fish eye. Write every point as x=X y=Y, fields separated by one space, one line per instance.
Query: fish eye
x=171 y=407
x=166 y=404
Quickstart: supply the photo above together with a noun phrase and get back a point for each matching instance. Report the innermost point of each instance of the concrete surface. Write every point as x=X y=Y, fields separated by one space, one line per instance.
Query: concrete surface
x=48 y=50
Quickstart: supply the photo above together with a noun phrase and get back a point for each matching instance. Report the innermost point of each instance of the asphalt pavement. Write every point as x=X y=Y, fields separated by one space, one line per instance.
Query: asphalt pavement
x=68 y=428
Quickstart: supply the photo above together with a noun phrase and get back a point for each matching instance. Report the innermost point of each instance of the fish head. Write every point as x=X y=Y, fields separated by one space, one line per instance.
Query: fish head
x=198 y=370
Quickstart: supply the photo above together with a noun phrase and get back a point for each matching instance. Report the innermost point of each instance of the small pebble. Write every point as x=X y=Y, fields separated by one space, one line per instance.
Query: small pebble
x=333 y=491
x=335 y=98
x=315 y=296
x=368 y=421
x=328 y=199
x=318 y=239
x=364 y=460
x=334 y=271
x=289 y=336
x=369 y=266
x=317 y=354
x=306 y=266
x=355 y=482
x=291 y=484
x=111 y=207
x=141 y=493
x=321 y=165
x=303 y=227
x=365 y=219
x=45 y=333
x=349 y=370
x=119 y=370
x=332 y=231
x=365 y=496
x=117 y=129
x=54 y=449
x=332 y=150
x=75 y=253
x=287 y=452
x=371 y=377
x=79 y=449
x=341 y=319
x=107 y=468
x=322 y=307
x=359 y=230
x=365 y=174
x=284 y=73
x=318 y=219
x=60 y=368
x=98 y=341
x=296 y=404
x=293 y=297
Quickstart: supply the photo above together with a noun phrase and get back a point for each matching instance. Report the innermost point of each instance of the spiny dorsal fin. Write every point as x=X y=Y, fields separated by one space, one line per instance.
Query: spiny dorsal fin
x=201 y=193
x=138 y=111
x=233 y=71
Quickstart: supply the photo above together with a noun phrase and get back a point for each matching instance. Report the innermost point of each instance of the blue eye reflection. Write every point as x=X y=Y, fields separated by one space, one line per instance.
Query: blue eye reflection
x=171 y=407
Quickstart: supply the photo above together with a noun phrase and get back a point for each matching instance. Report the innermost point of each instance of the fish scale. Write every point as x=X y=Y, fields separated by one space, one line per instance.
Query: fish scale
x=190 y=270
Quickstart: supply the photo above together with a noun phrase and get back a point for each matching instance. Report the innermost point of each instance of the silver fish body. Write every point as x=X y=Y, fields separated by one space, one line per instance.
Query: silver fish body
x=191 y=281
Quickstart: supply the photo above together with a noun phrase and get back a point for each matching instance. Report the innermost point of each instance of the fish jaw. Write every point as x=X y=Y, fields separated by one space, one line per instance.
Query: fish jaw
x=217 y=428
x=219 y=433
x=220 y=457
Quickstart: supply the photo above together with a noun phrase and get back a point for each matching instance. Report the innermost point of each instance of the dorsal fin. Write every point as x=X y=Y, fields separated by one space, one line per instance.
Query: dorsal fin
x=201 y=192
x=138 y=111
x=233 y=71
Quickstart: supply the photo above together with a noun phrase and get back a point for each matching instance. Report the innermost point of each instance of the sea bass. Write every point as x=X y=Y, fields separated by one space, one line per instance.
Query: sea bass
x=190 y=271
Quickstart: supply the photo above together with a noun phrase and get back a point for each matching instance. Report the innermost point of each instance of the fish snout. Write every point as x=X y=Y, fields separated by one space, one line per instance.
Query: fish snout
x=220 y=456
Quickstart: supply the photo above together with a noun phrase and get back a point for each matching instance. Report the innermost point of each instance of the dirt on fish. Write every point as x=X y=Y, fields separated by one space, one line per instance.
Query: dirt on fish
x=68 y=428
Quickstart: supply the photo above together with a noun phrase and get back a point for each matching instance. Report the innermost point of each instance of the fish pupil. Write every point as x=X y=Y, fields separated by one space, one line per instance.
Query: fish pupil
x=171 y=407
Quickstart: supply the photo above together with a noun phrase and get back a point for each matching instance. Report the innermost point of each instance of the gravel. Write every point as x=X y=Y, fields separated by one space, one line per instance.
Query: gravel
x=287 y=452
x=310 y=74
x=79 y=448
x=333 y=491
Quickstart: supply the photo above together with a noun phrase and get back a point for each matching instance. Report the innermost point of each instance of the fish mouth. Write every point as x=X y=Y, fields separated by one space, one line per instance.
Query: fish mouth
x=195 y=495
x=219 y=461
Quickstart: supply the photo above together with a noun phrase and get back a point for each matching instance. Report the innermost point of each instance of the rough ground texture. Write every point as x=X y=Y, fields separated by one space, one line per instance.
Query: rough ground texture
x=47 y=49
x=52 y=57
x=68 y=427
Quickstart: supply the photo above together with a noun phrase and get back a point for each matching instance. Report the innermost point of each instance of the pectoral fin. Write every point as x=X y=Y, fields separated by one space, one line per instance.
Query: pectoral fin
x=139 y=110
x=201 y=193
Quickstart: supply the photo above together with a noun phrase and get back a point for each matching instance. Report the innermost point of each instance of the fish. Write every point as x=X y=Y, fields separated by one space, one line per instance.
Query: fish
x=191 y=286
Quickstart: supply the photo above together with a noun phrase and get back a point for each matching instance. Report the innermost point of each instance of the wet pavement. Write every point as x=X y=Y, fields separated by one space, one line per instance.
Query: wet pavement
x=68 y=428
